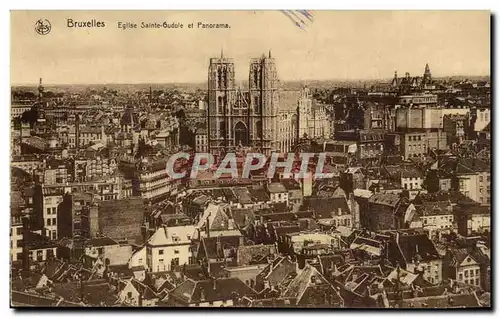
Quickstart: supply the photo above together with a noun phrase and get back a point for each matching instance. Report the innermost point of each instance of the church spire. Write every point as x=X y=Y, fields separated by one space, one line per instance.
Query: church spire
x=427 y=74
x=221 y=53
x=269 y=53
x=40 y=90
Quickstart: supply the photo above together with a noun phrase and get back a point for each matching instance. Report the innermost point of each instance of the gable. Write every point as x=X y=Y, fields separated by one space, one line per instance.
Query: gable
x=468 y=261
x=220 y=222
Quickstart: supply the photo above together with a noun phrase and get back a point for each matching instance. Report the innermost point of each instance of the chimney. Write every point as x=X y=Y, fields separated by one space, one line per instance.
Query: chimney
x=82 y=296
x=207 y=227
x=455 y=287
x=214 y=283
x=165 y=229
x=202 y=294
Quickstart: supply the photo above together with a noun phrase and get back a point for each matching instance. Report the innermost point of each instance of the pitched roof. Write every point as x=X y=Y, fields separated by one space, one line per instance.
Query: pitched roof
x=305 y=283
x=22 y=299
x=101 y=241
x=276 y=188
x=459 y=255
x=145 y=291
x=389 y=199
x=227 y=244
x=444 y=301
x=253 y=254
x=164 y=235
x=328 y=207
x=417 y=247
x=210 y=290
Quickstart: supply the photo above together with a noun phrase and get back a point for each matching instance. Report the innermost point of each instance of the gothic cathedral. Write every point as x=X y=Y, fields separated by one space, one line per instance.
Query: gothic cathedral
x=239 y=118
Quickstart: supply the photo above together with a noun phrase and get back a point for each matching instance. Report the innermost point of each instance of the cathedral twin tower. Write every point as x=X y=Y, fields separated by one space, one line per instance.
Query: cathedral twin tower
x=242 y=118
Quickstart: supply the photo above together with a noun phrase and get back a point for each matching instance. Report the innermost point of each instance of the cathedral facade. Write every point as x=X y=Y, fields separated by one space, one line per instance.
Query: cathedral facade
x=239 y=118
x=264 y=117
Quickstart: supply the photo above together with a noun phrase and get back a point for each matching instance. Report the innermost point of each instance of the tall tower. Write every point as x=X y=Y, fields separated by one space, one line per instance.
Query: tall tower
x=263 y=86
x=427 y=79
x=40 y=90
x=305 y=114
x=221 y=96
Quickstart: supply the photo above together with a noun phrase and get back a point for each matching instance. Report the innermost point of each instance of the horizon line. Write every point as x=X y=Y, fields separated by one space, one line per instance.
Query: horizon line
x=35 y=83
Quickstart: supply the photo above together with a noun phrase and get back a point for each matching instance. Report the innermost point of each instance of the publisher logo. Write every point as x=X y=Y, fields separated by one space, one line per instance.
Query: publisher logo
x=43 y=27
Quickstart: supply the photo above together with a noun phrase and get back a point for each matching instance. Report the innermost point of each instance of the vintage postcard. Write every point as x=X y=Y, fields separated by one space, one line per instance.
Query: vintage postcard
x=293 y=158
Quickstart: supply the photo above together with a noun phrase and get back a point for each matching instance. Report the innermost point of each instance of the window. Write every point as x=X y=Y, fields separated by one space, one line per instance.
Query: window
x=19 y=231
x=477 y=281
x=39 y=256
x=466 y=273
x=129 y=295
x=480 y=178
x=176 y=251
x=477 y=272
x=19 y=243
x=160 y=252
x=54 y=222
x=160 y=260
x=49 y=222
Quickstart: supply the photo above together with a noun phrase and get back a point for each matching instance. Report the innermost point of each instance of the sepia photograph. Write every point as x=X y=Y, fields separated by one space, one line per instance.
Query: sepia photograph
x=250 y=159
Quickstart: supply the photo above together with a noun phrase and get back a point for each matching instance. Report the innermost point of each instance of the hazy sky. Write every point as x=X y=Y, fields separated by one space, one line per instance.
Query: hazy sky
x=337 y=45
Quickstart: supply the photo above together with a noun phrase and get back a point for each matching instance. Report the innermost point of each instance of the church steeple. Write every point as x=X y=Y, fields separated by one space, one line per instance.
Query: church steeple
x=427 y=75
x=40 y=90
x=395 y=79
x=269 y=53
x=427 y=69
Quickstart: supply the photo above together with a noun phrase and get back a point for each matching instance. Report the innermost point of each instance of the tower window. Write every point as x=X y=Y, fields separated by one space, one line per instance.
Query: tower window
x=257 y=105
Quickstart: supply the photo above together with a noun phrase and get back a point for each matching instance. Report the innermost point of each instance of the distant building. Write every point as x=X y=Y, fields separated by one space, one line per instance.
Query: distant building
x=370 y=143
x=415 y=144
x=75 y=213
x=455 y=127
